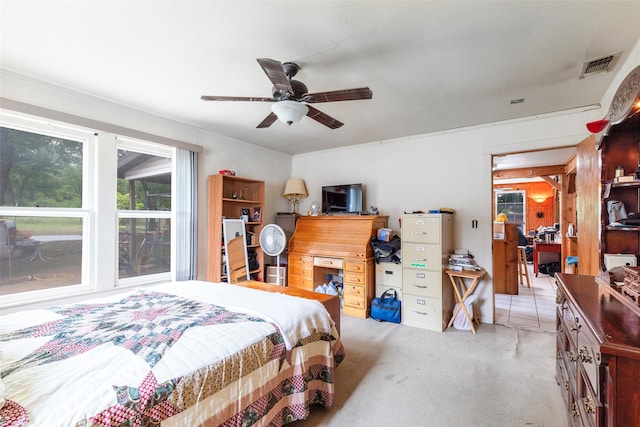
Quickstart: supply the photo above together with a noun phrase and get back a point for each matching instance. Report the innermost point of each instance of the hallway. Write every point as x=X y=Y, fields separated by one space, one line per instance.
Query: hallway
x=533 y=309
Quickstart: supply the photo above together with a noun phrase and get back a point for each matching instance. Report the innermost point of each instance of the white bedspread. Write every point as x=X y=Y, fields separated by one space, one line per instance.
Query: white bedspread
x=300 y=319
x=210 y=369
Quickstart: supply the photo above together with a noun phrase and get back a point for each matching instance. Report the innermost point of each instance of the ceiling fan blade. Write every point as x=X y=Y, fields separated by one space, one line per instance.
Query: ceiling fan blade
x=323 y=118
x=275 y=71
x=235 y=98
x=268 y=121
x=339 y=95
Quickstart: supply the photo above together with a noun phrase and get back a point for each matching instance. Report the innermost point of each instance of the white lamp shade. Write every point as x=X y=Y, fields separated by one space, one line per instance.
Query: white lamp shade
x=289 y=111
x=295 y=188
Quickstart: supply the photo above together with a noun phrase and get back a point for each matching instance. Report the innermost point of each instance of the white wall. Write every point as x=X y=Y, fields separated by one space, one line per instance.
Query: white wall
x=448 y=169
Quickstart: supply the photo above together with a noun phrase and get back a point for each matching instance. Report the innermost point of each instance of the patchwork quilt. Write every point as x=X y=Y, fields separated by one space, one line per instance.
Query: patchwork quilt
x=189 y=353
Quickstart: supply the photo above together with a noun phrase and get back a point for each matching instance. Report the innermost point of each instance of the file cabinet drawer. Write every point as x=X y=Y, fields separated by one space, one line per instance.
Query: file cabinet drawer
x=388 y=273
x=422 y=312
x=421 y=256
x=423 y=283
x=421 y=229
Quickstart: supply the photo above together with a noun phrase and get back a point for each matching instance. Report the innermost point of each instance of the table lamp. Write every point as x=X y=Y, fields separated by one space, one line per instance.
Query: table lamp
x=294 y=191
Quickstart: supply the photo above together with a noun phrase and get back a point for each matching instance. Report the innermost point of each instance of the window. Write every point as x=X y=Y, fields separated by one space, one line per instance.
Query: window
x=512 y=203
x=43 y=219
x=144 y=210
x=80 y=210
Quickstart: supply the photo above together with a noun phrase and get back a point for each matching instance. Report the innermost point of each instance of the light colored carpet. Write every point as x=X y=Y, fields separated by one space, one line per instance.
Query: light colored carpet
x=405 y=376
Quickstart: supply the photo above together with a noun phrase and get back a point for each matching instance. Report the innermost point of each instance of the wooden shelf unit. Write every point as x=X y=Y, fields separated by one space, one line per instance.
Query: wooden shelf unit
x=227 y=196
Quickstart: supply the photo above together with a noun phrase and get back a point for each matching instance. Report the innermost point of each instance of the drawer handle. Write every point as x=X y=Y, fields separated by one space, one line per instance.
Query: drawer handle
x=572 y=356
x=584 y=355
x=574 y=409
x=419 y=232
x=589 y=405
x=419 y=259
x=327 y=262
x=420 y=312
x=420 y=286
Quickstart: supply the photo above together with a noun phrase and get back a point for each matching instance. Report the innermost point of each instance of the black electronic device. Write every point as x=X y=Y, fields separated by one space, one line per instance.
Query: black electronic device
x=342 y=199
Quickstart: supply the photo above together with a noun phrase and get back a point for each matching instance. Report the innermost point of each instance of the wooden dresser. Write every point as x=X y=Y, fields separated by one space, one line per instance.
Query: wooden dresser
x=324 y=245
x=598 y=353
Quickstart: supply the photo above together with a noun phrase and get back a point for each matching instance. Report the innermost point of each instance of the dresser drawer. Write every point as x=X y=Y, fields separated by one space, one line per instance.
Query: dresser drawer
x=354 y=290
x=422 y=283
x=388 y=273
x=353 y=278
x=588 y=404
x=328 y=262
x=301 y=260
x=421 y=229
x=354 y=267
x=421 y=256
x=301 y=266
x=300 y=282
x=588 y=356
x=422 y=312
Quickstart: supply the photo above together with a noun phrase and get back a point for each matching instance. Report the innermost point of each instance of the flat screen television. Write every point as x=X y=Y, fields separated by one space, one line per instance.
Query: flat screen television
x=342 y=199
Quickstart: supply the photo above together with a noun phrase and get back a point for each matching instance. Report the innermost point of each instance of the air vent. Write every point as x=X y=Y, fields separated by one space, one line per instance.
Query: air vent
x=598 y=65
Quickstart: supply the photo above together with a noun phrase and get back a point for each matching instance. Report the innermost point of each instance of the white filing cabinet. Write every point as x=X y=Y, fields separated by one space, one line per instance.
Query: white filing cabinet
x=389 y=276
x=427 y=298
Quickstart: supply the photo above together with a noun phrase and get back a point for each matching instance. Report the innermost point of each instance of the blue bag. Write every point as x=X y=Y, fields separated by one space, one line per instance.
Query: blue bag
x=386 y=308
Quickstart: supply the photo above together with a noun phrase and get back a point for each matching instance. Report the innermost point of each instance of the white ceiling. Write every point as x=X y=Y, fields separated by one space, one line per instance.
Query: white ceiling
x=432 y=65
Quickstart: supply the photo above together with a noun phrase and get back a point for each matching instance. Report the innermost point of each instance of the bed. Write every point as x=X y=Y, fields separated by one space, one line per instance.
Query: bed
x=181 y=354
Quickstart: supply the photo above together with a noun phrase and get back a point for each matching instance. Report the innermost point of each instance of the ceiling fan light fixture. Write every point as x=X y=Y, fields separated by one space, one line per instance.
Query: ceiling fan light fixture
x=289 y=111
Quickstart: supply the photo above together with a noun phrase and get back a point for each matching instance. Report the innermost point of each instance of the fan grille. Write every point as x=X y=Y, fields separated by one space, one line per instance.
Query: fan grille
x=273 y=239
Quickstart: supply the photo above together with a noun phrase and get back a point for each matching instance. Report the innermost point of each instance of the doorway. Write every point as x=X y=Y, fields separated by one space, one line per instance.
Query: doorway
x=536 y=176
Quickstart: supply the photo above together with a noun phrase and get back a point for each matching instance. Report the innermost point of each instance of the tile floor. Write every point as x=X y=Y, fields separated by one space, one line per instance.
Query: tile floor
x=533 y=308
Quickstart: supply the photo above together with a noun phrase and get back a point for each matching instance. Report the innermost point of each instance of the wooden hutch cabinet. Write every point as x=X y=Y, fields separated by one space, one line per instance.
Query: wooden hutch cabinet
x=620 y=159
x=621 y=149
x=228 y=196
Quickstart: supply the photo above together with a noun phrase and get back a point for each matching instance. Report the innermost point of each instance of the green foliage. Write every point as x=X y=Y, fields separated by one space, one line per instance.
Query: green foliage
x=39 y=170
x=44 y=170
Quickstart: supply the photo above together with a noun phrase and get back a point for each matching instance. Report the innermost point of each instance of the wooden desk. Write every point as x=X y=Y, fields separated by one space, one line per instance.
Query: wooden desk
x=544 y=247
x=324 y=245
x=330 y=302
x=462 y=291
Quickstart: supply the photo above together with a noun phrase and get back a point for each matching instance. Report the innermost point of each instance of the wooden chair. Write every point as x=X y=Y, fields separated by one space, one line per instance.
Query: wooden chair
x=237 y=260
x=523 y=270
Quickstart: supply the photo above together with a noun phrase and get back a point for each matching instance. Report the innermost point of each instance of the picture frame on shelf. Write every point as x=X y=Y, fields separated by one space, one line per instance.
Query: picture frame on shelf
x=244 y=214
x=257 y=214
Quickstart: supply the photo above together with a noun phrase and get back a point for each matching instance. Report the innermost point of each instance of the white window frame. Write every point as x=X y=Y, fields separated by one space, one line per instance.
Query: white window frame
x=86 y=213
x=98 y=212
x=160 y=151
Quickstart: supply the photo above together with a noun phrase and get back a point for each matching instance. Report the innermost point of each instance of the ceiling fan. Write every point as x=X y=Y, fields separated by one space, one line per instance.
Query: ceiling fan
x=291 y=97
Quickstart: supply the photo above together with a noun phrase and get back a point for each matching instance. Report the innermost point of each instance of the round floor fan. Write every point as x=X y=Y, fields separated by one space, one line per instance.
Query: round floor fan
x=273 y=242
